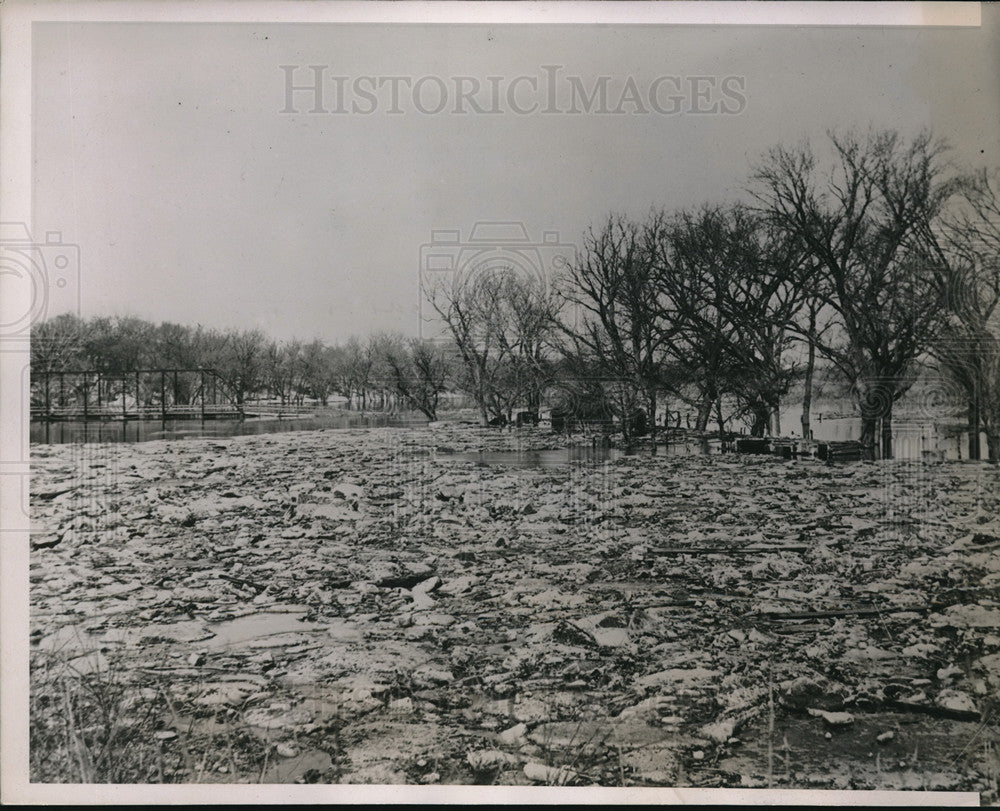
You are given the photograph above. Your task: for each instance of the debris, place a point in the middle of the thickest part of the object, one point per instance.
(422, 605)
(834, 719)
(514, 734)
(957, 701)
(844, 612)
(934, 710)
(719, 731)
(491, 759)
(549, 775)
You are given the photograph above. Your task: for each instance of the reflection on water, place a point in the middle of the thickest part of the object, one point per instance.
(146, 430)
(911, 439)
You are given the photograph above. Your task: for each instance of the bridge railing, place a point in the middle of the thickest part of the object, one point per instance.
(144, 394)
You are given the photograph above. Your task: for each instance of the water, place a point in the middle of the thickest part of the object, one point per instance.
(253, 627)
(146, 430)
(911, 439)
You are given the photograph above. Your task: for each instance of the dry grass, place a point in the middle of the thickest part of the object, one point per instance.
(94, 720)
(89, 725)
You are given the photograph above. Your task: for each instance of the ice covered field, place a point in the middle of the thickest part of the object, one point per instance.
(362, 606)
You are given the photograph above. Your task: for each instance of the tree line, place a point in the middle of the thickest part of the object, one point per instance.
(382, 370)
(871, 258)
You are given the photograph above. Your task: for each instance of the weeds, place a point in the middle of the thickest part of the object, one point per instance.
(87, 724)
(90, 723)
(991, 757)
(770, 732)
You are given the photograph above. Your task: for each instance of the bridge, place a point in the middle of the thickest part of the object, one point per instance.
(144, 394)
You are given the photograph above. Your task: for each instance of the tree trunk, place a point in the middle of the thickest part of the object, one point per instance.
(975, 452)
(718, 417)
(868, 430)
(887, 432)
(627, 435)
(623, 408)
(776, 419)
(875, 398)
(993, 446)
(480, 396)
(704, 412)
(652, 423)
(810, 369)
(760, 420)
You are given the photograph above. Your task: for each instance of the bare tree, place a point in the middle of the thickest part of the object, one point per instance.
(417, 373)
(57, 344)
(176, 346)
(118, 344)
(239, 358)
(617, 316)
(734, 286)
(864, 221)
(357, 365)
(465, 310)
(968, 349)
(282, 368)
(526, 314)
(319, 368)
(499, 323)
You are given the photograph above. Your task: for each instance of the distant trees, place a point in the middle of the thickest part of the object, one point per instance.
(379, 370)
(283, 367)
(318, 366)
(57, 344)
(239, 357)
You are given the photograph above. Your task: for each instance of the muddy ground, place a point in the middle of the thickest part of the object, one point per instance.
(362, 607)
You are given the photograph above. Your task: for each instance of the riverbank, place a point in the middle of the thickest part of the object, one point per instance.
(358, 606)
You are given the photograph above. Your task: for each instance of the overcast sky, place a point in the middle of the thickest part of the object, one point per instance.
(163, 152)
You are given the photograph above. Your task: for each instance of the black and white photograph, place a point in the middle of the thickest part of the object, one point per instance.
(491, 402)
